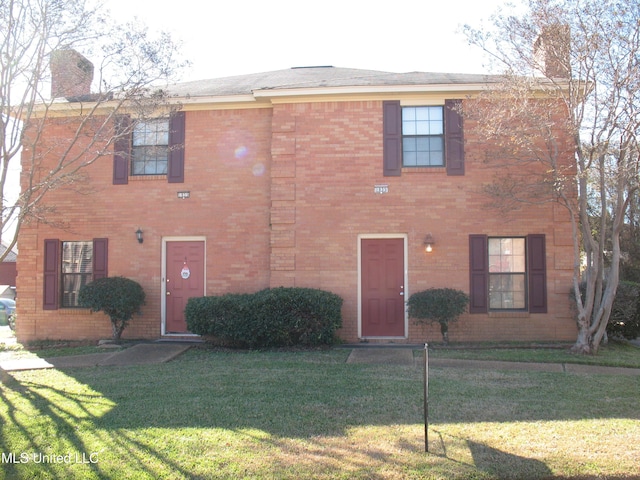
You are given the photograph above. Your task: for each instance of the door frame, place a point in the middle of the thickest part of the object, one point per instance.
(163, 283)
(368, 236)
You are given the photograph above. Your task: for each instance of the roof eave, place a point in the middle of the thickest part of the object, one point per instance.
(371, 89)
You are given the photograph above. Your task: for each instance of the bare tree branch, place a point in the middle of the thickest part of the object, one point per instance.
(134, 68)
(584, 56)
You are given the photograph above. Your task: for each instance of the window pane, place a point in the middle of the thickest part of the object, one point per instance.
(77, 257)
(507, 255)
(149, 160)
(77, 270)
(423, 142)
(518, 246)
(437, 159)
(411, 159)
(71, 287)
(436, 127)
(422, 121)
(507, 291)
(436, 144)
(150, 147)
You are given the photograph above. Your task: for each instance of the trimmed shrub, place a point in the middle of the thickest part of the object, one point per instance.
(442, 305)
(269, 318)
(624, 320)
(625, 312)
(118, 297)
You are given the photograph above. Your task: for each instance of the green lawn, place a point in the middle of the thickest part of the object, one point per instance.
(211, 414)
(615, 354)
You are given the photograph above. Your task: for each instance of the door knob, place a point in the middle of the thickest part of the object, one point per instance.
(168, 293)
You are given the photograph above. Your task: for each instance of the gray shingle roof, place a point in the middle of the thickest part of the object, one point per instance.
(317, 77)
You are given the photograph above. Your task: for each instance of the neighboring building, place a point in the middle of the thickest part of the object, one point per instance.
(8, 274)
(317, 177)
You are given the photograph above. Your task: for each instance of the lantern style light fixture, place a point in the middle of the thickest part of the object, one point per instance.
(429, 242)
(139, 235)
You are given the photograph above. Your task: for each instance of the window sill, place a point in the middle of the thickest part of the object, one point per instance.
(142, 178)
(509, 314)
(424, 170)
(74, 310)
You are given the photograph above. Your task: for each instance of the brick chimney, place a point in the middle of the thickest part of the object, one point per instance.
(552, 51)
(71, 74)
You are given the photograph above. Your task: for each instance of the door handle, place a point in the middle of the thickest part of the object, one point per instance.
(168, 293)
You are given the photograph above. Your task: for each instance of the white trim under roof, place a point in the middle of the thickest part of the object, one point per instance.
(369, 89)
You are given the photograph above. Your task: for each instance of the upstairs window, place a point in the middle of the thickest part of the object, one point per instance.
(149, 147)
(150, 153)
(422, 136)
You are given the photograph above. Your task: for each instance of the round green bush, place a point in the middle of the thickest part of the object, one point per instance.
(442, 305)
(118, 297)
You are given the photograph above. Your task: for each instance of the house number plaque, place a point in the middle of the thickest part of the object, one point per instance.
(381, 189)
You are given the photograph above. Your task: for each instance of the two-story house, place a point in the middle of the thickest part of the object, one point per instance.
(362, 183)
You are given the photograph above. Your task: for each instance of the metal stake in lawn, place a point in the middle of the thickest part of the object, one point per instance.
(426, 397)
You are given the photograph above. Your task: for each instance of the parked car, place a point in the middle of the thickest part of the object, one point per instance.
(7, 312)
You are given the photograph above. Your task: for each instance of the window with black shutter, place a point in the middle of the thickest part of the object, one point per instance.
(70, 265)
(422, 136)
(149, 147)
(507, 274)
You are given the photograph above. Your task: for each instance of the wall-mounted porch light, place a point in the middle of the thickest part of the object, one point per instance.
(139, 235)
(429, 242)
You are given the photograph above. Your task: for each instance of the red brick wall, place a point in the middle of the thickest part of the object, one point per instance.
(281, 196)
(327, 158)
(227, 175)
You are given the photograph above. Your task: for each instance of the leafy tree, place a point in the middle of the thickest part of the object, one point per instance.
(442, 305)
(570, 67)
(118, 297)
(132, 67)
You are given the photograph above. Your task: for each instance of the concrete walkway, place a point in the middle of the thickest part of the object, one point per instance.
(404, 356)
(161, 351)
(141, 354)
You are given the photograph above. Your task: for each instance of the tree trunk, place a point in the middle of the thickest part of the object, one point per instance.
(117, 327)
(583, 341)
(444, 329)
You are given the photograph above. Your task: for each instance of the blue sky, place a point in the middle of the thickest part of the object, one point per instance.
(233, 37)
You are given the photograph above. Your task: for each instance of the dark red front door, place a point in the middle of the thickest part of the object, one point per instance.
(185, 279)
(383, 287)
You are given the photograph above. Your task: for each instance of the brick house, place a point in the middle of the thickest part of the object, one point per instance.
(321, 177)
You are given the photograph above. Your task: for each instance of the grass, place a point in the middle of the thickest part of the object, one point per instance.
(213, 414)
(615, 354)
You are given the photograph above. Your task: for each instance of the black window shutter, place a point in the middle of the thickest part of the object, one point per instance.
(100, 258)
(122, 152)
(175, 169)
(51, 293)
(454, 137)
(478, 274)
(537, 271)
(392, 138)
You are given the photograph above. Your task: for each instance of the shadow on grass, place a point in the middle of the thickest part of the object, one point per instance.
(487, 459)
(304, 395)
(506, 465)
(315, 397)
